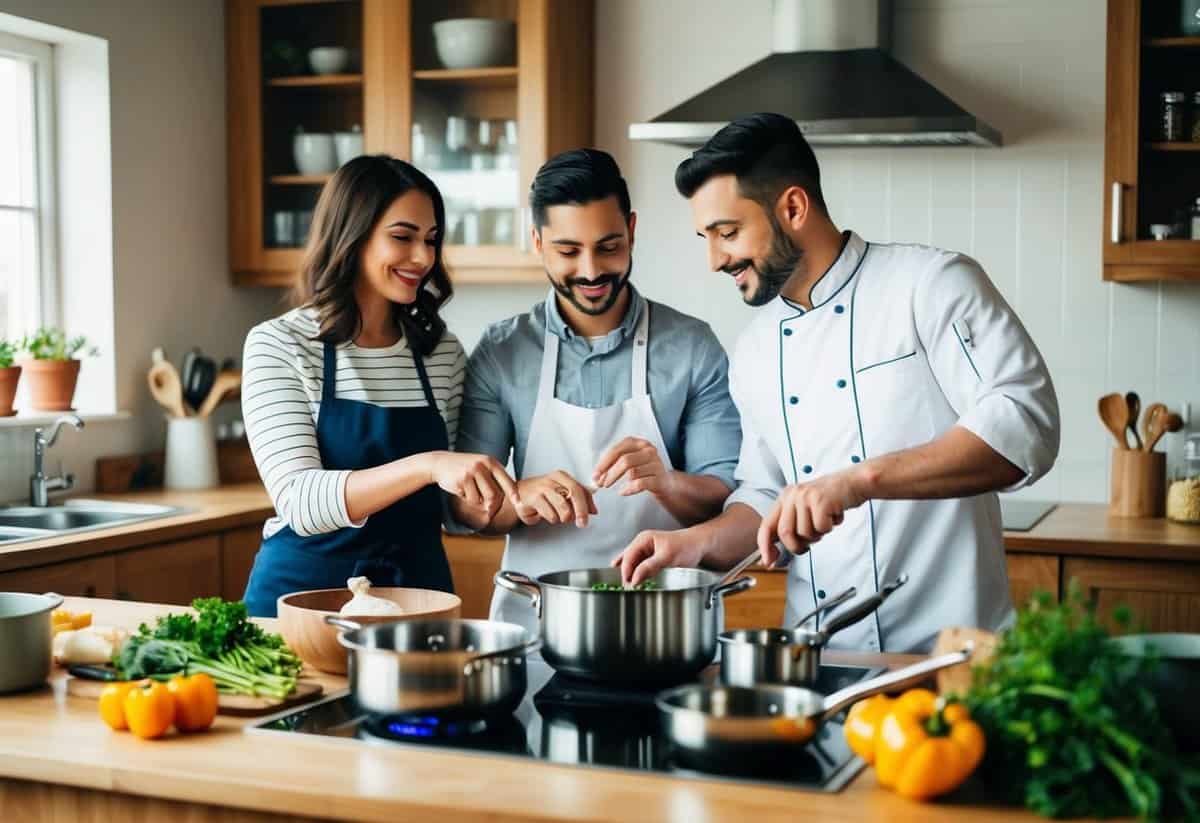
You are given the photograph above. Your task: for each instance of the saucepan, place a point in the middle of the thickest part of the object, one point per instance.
(713, 727)
(665, 634)
(790, 657)
(25, 635)
(469, 667)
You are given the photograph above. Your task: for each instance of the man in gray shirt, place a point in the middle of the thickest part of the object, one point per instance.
(615, 409)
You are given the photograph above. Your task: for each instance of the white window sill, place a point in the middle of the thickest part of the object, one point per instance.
(29, 419)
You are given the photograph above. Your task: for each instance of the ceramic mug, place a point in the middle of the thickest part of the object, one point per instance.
(348, 145)
(314, 153)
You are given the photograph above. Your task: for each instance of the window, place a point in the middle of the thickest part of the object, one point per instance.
(27, 240)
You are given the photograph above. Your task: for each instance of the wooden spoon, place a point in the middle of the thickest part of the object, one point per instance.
(227, 383)
(166, 388)
(1134, 404)
(1155, 424)
(1114, 411)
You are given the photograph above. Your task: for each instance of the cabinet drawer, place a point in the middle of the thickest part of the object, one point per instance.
(173, 573)
(1029, 573)
(93, 577)
(239, 547)
(1163, 596)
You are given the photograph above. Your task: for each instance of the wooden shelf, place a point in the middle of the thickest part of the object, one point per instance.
(1173, 42)
(1178, 146)
(500, 76)
(299, 179)
(311, 80)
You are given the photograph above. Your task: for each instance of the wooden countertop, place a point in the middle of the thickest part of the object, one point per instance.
(210, 510)
(48, 737)
(1085, 529)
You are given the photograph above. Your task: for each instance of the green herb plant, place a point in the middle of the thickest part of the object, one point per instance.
(219, 641)
(53, 344)
(1072, 729)
(8, 352)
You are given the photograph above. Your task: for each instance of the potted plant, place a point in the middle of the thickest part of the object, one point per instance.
(52, 368)
(9, 375)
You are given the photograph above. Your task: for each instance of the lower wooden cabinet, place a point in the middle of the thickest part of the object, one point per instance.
(90, 577)
(760, 606)
(238, 550)
(1029, 573)
(1162, 595)
(173, 573)
(474, 562)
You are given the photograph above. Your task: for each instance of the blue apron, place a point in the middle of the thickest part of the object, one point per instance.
(398, 546)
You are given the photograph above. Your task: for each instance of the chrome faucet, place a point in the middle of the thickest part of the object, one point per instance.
(40, 485)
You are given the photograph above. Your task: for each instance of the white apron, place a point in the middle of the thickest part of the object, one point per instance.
(573, 439)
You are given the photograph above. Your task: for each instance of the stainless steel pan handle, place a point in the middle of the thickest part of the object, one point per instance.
(860, 610)
(473, 665)
(523, 585)
(342, 623)
(907, 676)
(726, 589)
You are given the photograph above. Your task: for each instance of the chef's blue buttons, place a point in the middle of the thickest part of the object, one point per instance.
(793, 399)
(854, 458)
(806, 469)
(787, 332)
(841, 384)
(839, 308)
(821, 593)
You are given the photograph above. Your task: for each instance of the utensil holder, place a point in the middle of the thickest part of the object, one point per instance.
(1138, 483)
(191, 460)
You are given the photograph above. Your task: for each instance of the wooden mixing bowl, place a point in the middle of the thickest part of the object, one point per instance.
(302, 619)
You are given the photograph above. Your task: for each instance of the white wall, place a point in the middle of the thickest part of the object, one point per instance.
(170, 261)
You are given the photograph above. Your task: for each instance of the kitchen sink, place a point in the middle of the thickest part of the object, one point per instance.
(34, 523)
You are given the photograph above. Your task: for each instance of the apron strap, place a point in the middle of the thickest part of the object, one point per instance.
(329, 376)
(549, 374)
(420, 363)
(640, 348)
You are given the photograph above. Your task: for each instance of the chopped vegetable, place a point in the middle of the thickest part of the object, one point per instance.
(149, 710)
(1072, 729)
(63, 620)
(644, 586)
(195, 701)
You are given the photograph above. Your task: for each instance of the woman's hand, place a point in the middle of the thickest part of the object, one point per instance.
(554, 498)
(480, 480)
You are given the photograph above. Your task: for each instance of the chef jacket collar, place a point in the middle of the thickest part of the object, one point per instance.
(836, 276)
(559, 327)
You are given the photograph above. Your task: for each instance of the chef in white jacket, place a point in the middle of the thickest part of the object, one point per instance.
(886, 391)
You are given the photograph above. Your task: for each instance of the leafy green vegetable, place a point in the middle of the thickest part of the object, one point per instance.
(1072, 729)
(644, 586)
(219, 641)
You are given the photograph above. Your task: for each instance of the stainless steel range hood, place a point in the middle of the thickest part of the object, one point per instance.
(830, 70)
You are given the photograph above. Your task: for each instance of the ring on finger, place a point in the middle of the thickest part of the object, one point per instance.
(562, 491)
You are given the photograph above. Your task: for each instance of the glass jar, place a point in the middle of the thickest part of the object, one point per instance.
(1183, 494)
(1172, 119)
(1195, 220)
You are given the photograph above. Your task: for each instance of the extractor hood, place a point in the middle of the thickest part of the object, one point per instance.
(830, 70)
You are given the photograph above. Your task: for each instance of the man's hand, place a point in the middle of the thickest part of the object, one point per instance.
(478, 479)
(652, 551)
(638, 462)
(554, 498)
(807, 511)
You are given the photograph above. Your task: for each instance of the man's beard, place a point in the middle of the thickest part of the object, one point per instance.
(774, 271)
(566, 290)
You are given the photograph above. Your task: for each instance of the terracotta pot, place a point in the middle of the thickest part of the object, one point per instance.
(8, 389)
(51, 383)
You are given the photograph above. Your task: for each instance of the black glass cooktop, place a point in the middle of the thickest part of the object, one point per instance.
(567, 721)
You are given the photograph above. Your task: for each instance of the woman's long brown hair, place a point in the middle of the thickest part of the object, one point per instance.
(350, 205)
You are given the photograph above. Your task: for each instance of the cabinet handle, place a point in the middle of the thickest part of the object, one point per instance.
(1115, 212)
(124, 596)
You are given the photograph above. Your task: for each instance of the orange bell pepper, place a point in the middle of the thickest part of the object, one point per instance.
(195, 701)
(149, 709)
(924, 749)
(112, 704)
(862, 724)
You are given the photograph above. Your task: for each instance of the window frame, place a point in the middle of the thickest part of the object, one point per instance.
(41, 55)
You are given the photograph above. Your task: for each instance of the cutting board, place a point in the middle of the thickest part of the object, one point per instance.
(242, 705)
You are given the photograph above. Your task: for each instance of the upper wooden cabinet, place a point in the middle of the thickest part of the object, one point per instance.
(1148, 179)
(462, 122)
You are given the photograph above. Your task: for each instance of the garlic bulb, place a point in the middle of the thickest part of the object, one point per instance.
(365, 604)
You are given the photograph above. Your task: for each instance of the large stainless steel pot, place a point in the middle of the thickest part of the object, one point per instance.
(788, 657)
(713, 727)
(664, 635)
(473, 667)
(25, 639)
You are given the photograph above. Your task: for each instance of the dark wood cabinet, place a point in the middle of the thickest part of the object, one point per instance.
(1163, 596)
(238, 550)
(90, 577)
(175, 573)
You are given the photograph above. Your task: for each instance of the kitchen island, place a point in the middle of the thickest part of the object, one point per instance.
(58, 761)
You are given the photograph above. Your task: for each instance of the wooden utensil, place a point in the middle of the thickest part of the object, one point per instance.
(1114, 412)
(1134, 404)
(166, 386)
(1159, 424)
(1152, 411)
(226, 383)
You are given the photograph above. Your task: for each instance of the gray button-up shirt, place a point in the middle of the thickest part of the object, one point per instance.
(687, 372)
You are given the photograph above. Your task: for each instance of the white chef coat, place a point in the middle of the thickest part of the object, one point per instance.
(902, 342)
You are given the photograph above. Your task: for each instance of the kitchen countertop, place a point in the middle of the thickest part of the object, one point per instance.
(1085, 529)
(50, 738)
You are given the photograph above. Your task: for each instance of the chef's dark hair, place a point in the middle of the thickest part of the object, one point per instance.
(766, 152)
(577, 177)
(350, 206)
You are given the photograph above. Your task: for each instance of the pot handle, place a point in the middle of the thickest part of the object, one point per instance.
(900, 678)
(530, 646)
(860, 610)
(726, 589)
(523, 585)
(56, 597)
(342, 623)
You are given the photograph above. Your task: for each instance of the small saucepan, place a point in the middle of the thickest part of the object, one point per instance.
(714, 728)
(789, 657)
(25, 638)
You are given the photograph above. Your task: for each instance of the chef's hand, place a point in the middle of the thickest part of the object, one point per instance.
(480, 480)
(652, 551)
(637, 461)
(805, 512)
(554, 498)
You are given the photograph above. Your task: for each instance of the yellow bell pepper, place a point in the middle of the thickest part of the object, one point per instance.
(920, 748)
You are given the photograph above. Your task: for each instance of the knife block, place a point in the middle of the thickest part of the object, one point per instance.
(1138, 483)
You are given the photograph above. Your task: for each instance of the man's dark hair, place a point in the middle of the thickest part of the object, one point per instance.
(577, 177)
(765, 152)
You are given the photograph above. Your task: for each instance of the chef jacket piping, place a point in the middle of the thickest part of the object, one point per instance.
(963, 346)
(885, 362)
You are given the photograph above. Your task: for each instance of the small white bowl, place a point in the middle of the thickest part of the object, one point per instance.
(329, 59)
(314, 153)
(347, 145)
(475, 42)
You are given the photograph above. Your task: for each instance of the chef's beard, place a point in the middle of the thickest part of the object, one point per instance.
(775, 270)
(566, 289)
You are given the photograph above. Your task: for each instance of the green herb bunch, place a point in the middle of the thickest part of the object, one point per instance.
(644, 586)
(53, 344)
(8, 352)
(1072, 729)
(219, 641)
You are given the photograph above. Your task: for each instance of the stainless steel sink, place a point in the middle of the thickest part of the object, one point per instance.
(19, 523)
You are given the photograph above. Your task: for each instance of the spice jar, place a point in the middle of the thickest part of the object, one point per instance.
(1172, 119)
(1183, 495)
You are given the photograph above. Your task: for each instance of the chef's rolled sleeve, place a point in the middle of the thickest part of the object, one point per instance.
(987, 365)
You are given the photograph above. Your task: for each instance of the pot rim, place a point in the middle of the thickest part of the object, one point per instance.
(54, 601)
(780, 638)
(375, 627)
(713, 577)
